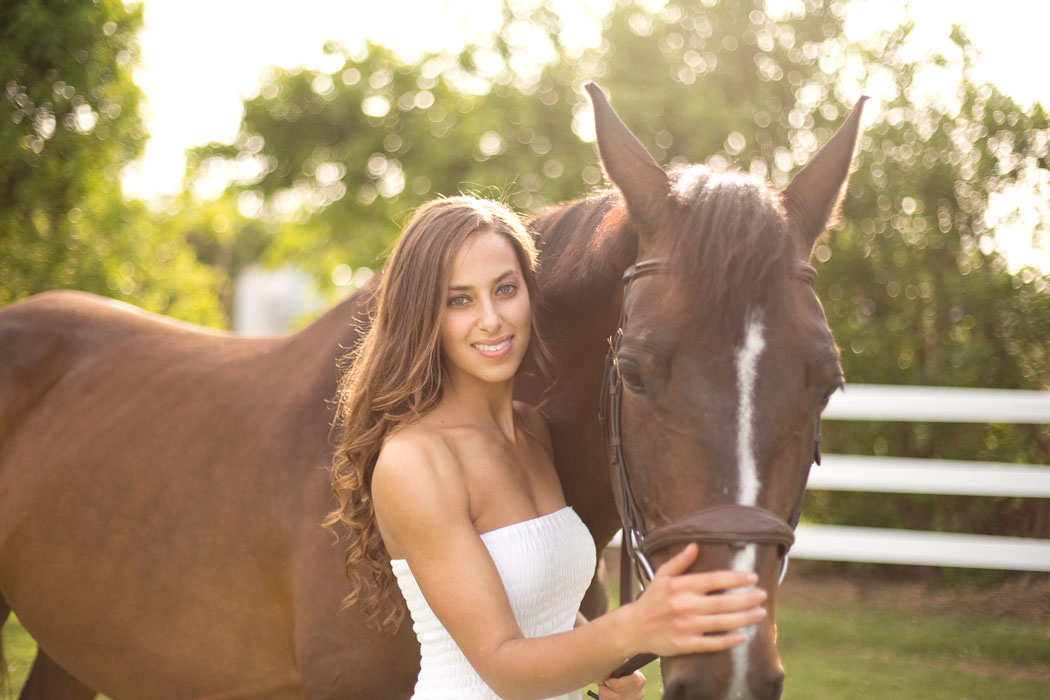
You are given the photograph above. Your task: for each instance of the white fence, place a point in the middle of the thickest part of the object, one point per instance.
(928, 476)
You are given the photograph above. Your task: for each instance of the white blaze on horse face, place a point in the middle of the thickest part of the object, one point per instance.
(746, 373)
(747, 489)
(740, 654)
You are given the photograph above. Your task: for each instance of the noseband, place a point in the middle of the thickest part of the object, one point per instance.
(732, 524)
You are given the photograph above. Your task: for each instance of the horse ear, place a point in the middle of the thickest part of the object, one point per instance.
(813, 196)
(643, 183)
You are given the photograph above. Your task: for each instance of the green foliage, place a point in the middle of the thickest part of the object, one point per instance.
(69, 122)
(914, 294)
(329, 163)
(341, 158)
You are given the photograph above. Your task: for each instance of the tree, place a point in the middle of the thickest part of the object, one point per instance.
(70, 123)
(335, 161)
(913, 292)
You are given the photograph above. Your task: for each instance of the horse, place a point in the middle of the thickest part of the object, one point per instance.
(162, 485)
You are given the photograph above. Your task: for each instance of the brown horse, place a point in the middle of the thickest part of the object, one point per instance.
(161, 486)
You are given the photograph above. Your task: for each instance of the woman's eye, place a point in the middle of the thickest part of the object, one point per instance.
(458, 301)
(506, 290)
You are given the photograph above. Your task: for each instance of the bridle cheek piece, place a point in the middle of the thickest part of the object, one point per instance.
(731, 524)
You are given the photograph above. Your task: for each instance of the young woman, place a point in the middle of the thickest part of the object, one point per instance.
(449, 489)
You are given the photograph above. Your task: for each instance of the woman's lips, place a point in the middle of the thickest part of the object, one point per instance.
(494, 350)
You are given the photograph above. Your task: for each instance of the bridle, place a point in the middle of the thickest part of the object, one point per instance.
(732, 524)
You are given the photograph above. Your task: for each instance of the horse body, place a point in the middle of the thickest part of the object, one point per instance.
(161, 487)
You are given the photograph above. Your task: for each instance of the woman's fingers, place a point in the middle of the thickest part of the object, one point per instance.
(726, 622)
(679, 563)
(691, 613)
(710, 581)
(630, 687)
(706, 603)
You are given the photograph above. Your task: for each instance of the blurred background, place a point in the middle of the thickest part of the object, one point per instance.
(244, 165)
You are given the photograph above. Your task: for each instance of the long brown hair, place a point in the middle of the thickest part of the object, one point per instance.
(394, 376)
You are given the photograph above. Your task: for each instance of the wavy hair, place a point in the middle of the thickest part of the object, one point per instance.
(394, 376)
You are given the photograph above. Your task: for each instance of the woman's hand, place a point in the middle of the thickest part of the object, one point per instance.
(630, 687)
(677, 611)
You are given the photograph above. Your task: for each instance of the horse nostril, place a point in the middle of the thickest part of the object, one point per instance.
(677, 691)
(773, 688)
(685, 690)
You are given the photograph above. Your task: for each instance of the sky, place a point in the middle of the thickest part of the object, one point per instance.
(202, 57)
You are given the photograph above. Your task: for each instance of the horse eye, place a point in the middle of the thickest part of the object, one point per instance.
(827, 396)
(631, 376)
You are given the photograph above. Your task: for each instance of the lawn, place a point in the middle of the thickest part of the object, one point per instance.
(862, 653)
(857, 651)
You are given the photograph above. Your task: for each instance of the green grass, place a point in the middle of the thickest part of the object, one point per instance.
(19, 652)
(861, 653)
(855, 652)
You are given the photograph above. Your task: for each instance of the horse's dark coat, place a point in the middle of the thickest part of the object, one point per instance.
(162, 486)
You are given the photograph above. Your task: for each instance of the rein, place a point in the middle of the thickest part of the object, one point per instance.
(728, 524)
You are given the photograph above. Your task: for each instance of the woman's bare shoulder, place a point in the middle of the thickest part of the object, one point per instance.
(416, 479)
(414, 458)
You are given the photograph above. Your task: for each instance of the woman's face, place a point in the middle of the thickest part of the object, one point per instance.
(486, 321)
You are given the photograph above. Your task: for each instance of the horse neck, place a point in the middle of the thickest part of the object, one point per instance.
(318, 347)
(585, 246)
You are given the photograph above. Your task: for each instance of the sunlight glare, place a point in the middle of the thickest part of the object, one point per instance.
(201, 58)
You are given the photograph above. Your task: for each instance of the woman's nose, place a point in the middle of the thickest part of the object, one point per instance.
(489, 318)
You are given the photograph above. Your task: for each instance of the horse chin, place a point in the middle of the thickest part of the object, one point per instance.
(751, 671)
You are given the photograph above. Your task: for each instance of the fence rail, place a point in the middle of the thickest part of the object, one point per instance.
(940, 476)
(938, 404)
(929, 476)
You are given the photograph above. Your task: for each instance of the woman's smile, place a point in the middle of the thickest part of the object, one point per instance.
(496, 349)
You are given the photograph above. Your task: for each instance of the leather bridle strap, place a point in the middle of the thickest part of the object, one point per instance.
(733, 524)
(633, 562)
(730, 524)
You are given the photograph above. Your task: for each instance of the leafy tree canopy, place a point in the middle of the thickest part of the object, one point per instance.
(328, 164)
(333, 161)
(69, 122)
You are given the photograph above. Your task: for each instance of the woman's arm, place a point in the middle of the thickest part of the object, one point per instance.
(629, 687)
(421, 501)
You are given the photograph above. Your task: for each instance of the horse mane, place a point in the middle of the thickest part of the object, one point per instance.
(731, 249)
(584, 247)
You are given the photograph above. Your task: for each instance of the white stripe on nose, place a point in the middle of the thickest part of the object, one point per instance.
(746, 372)
(747, 488)
(738, 690)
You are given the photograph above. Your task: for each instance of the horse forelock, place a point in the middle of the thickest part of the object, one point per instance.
(730, 245)
(731, 250)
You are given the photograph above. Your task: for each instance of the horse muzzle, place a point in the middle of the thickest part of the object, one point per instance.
(694, 684)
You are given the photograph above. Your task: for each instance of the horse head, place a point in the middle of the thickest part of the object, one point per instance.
(718, 374)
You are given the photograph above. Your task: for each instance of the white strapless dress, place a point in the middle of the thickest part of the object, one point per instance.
(546, 565)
